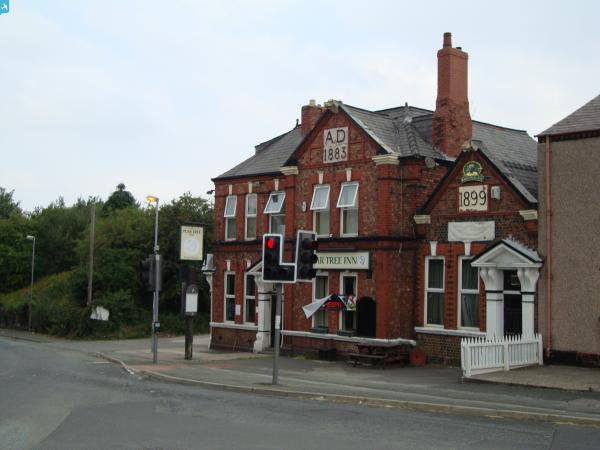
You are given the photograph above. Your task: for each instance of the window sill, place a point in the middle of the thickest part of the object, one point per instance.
(234, 326)
(448, 332)
(319, 330)
(345, 333)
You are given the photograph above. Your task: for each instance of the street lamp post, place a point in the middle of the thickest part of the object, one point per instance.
(153, 199)
(31, 238)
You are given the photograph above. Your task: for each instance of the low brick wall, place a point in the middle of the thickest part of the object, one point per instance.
(440, 349)
(232, 339)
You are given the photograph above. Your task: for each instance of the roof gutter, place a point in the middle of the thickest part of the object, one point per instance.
(549, 274)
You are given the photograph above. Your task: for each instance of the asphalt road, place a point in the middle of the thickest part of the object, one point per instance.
(54, 397)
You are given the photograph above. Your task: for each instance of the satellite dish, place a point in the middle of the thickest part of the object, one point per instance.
(429, 162)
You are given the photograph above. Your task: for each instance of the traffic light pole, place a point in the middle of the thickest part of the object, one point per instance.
(277, 339)
(156, 288)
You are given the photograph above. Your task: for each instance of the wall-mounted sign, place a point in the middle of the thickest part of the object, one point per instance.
(335, 145)
(343, 260)
(471, 231)
(192, 240)
(472, 171)
(473, 198)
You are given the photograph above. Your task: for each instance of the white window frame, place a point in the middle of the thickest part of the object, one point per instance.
(227, 296)
(341, 318)
(320, 187)
(270, 208)
(441, 290)
(320, 211)
(354, 202)
(251, 216)
(247, 297)
(271, 217)
(314, 295)
(350, 206)
(230, 220)
(465, 291)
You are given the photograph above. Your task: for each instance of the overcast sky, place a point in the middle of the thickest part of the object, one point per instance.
(164, 95)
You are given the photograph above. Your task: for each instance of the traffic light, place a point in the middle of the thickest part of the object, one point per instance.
(274, 269)
(306, 257)
(150, 266)
(148, 275)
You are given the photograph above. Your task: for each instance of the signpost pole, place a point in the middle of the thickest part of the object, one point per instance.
(189, 336)
(278, 294)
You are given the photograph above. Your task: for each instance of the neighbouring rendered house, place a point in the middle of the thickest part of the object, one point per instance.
(410, 207)
(569, 239)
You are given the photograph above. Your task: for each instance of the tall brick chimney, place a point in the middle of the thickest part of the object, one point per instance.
(310, 115)
(451, 126)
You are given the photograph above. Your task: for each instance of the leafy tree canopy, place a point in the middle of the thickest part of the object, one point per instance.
(119, 199)
(7, 204)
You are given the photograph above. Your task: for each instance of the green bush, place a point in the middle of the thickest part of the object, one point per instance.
(58, 319)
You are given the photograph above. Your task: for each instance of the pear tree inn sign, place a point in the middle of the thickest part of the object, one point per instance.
(335, 145)
(342, 260)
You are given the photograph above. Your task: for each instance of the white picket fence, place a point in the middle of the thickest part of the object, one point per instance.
(482, 355)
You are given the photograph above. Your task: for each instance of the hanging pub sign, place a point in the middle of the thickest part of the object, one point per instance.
(191, 243)
(335, 145)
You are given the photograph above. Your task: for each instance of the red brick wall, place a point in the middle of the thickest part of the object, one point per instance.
(440, 349)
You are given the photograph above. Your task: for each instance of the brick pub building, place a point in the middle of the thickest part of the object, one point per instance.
(403, 201)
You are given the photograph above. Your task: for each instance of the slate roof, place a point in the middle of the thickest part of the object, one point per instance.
(406, 131)
(269, 156)
(586, 118)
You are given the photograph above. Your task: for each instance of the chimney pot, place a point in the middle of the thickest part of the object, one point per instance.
(447, 39)
(312, 102)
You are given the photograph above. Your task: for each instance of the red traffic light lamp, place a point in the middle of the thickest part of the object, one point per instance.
(274, 269)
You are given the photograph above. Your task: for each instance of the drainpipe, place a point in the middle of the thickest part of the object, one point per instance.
(548, 248)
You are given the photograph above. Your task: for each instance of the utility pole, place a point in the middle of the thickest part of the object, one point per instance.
(91, 267)
(31, 238)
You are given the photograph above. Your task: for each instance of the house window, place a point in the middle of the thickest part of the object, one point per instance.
(348, 204)
(321, 290)
(434, 291)
(251, 216)
(230, 207)
(277, 215)
(229, 296)
(468, 293)
(320, 207)
(250, 299)
(348, 287)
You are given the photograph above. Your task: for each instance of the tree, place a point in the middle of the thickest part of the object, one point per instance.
(7, 205)
(119, 199)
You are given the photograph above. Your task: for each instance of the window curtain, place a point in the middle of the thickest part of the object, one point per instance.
(469, 313)
(435, 308)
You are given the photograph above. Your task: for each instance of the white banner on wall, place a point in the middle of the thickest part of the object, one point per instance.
(471, 231)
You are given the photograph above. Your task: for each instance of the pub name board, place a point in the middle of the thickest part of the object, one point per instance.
(343, 260)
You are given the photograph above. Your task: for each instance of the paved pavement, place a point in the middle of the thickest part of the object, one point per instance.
(571, 394)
